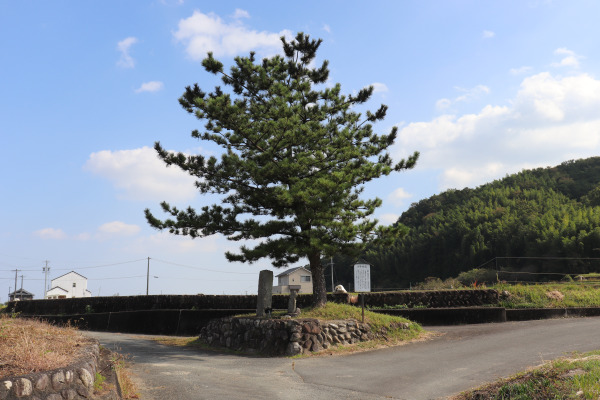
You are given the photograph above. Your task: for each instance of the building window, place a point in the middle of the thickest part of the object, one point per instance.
(305, 279)
(74, 284)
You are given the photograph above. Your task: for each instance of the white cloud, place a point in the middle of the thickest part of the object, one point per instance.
(50, 233)
(152, 86)
(165, 242)
(239, 14)
(398, 196)
(83, 237)
(570, 59)
(140, 175)
(466, 96)
(126, 61)
(521, 70)
(388, 219)
(379, 87)
(202, 33)
(488, 34)
(327, 28)
(118, 228)
(549, 120)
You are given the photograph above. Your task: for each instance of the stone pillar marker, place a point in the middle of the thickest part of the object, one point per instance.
(292, 301)
(265, 292)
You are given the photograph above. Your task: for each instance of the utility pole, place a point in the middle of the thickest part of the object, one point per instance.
(46, 270)
(332, 288)
(15, 292)
(148, 277)
(22, 286)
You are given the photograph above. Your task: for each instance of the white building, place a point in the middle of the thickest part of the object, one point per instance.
(67, 286)
(298, 278)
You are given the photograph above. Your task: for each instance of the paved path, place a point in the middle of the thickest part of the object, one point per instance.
(461, 358)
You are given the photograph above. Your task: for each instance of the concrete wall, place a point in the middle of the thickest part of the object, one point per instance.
(449, 316)
(153, 322)
(154, 302)
(429, 299)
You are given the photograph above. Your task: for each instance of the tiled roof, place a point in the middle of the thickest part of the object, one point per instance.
(289, 271)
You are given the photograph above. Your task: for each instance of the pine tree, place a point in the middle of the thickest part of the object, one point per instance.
(295, 158)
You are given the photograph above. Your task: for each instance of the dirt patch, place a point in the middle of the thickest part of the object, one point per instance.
(555, 295)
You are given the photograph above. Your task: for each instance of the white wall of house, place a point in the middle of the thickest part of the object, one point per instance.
(74, 284)
(300, 276)
(57, 293)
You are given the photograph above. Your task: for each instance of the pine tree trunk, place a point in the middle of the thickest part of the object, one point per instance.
(318, 276)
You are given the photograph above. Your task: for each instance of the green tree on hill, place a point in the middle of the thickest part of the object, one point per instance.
(294, 161)
(545, 212)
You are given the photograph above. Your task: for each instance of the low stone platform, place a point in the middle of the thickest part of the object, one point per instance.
(288, 337)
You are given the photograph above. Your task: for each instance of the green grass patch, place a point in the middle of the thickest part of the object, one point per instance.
(591, 277)
(378, 322)
(336, 311)
(553, 295)
(576, 377)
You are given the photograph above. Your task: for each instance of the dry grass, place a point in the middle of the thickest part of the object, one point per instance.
(121, 364)
(28, 346)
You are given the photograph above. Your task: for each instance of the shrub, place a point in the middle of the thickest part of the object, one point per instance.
(477, 276)
(433, 283)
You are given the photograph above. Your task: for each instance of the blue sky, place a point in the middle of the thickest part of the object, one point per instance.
(481, 89)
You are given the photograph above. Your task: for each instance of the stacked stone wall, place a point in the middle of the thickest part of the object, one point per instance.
(74, 382)
(286, 336)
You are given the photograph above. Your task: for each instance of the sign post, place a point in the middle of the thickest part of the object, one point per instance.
(362, 278)
(362, 283)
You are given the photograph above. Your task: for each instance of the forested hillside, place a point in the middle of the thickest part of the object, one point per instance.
(546, 212)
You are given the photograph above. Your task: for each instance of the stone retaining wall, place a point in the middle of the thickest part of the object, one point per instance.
(433, 298)
(91, 305)
(73, 382)
(286, 336)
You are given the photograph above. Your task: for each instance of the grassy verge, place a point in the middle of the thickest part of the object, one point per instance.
(577, 377)
(379, 322)
(28, 346)
(121, 367)
(551, 295)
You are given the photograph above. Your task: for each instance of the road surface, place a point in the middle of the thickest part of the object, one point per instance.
(461, 357)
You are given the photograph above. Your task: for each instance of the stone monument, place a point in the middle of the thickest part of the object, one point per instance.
(294, 289)
(265, 293)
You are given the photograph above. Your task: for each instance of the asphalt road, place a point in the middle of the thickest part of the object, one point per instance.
(461, 357)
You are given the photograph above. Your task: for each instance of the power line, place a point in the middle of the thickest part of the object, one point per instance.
(546, 258)
(78, 268)
(204, 269)
(116, 277)
(535, 273)
(101, 266)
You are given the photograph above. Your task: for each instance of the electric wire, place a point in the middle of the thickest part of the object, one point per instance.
(204, 269)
